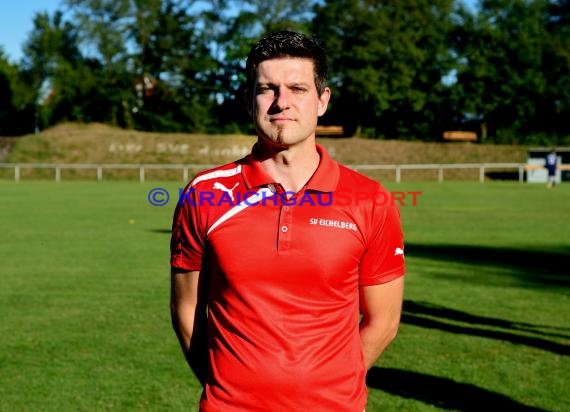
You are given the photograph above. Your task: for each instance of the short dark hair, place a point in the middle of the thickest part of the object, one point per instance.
(288, 44)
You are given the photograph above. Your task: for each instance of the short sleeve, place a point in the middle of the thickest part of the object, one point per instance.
(187, 241)
(383, 259)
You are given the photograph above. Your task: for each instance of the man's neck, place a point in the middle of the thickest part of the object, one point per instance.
(291, 167)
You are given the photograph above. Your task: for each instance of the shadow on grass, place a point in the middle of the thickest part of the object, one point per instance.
(526, 268)
(423, 314)
(429, 309)
(503, 175)
(162, 231)
(530, 267)
(441, 392)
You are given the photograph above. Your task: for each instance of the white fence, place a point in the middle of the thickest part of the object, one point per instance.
(480, 169)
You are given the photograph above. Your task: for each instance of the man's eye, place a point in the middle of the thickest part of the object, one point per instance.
(299, 89)
(263, 90)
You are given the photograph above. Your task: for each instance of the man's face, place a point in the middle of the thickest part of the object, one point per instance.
(286, 103)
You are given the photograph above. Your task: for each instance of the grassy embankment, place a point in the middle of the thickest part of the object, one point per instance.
(94, 144)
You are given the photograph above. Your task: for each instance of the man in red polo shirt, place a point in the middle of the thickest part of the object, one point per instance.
(283, 297)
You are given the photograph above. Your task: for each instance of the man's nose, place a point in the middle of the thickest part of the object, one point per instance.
(282, 98)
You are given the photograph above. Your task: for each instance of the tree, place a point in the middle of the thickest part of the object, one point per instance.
(156, 59)
(398, 69)
(67, 86)
(556, 109)
(387, 60)
(50, 46)
(12, 104)
(502, 80)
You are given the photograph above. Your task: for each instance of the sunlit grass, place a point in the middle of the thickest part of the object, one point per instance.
(85, 282)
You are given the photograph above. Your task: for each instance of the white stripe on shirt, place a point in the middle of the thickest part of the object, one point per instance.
(250, 201)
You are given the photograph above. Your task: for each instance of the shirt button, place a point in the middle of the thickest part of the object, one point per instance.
(285, 208)
(284, 229)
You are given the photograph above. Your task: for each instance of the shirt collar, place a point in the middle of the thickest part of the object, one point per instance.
(325, 178)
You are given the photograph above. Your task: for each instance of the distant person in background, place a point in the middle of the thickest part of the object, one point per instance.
(550, 164)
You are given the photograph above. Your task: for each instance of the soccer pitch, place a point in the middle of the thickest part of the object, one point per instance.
(85, 288)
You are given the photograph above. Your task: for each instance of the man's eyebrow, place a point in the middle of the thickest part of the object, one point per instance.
(297, 84)
(292, 84)
(267, 84)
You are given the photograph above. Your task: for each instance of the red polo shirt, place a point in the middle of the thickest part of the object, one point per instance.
(284, 272)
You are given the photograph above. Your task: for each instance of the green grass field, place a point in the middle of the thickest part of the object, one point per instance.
(85, 283)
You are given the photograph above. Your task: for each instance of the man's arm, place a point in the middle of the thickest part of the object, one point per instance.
(189, 320)
(381, 307)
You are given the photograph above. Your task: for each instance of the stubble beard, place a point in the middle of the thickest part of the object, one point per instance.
(275, 136)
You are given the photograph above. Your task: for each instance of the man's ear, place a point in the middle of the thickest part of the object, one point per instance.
(248, 101)
(324, 99)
